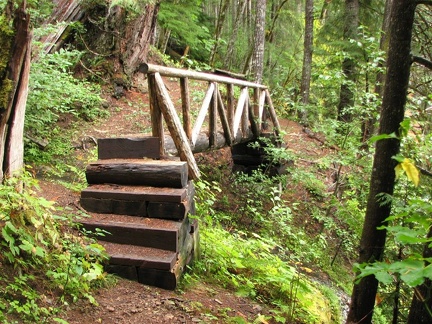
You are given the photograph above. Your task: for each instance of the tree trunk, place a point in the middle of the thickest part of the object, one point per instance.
(233, 38)
(351, 24)
(14, 89)
(383, 176)
(136, 39)
(113, 33)
(259, 40)
(368, 126)
(218, 30)
(307, 58)
(421, 305)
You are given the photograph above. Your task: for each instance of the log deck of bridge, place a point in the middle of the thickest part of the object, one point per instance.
(145, 201)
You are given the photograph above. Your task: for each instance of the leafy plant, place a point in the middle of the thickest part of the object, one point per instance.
(250, 262)
(188, 25)
(54, 91)
(39, 251)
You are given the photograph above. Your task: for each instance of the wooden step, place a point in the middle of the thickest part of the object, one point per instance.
(132, 193)
(126, 261)
(128, 148)
(132, 255)
(140, 231)
(140, 172)
(164, 203)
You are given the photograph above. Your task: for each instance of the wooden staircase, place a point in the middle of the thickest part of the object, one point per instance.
(145, 205)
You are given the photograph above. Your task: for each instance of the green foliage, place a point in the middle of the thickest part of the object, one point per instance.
(54, 91)
(255, 262)
(133, 6)
(327, 78)
(42, 255)
(56, 100)
(188, 26)
(410, 229)
(249, 265)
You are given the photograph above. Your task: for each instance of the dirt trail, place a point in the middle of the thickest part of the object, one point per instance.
(131, 302)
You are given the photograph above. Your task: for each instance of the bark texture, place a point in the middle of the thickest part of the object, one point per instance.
(114, 33)
(351, 24)
(259, 40)
(307, 57)
(383, 176)
(14, 89)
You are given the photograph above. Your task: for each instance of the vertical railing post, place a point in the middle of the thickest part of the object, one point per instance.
(254, 114)
(187, 123)
(175, 127)
(230, 106)
(156, 114)
(213, 117)
(245, 116)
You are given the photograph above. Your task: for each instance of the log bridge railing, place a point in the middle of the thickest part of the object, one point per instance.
(240, 120)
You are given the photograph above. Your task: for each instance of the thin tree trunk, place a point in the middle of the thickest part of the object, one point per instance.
(307, 59)
(218, 31)
(276, 11)
(259, 41)
(383, 176)
(233, 38)
(351, 24)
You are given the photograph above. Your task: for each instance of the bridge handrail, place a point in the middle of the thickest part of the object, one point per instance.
(240, 122)
(201, 76)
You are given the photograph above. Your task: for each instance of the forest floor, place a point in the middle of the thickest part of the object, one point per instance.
(131, 302)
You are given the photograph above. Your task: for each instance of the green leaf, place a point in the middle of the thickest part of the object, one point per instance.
(380, 137)
(406, 235)
(405, 126)
(427, 272)
(411, 271)
(384, 277)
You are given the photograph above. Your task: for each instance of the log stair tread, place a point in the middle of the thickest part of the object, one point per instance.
(125, 192)
(132, 255)
(141, 172)
(132, 221)
(140, 231)
(137, 161)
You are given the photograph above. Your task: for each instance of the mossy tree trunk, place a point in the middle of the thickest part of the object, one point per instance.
(14, 73)
(117, 33)
(346, 96)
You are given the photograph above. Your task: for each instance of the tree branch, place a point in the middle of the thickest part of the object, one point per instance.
(425, 172)
(421, 60)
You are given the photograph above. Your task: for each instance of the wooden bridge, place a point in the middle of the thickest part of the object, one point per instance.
(144, 198)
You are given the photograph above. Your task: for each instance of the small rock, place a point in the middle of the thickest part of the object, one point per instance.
(110, 308)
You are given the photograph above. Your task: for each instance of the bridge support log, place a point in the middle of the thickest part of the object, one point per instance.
(247, 158)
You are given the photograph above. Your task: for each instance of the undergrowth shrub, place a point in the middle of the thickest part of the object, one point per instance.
(45, 264)
(251, 264)
(54, 91)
